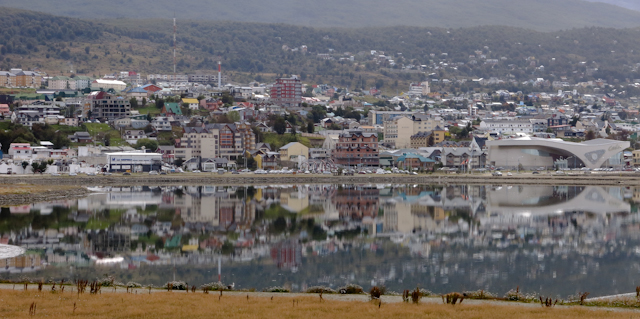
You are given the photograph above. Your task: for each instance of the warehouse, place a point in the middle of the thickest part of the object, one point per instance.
(134, 162)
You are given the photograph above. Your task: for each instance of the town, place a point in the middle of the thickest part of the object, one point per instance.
(159, 124)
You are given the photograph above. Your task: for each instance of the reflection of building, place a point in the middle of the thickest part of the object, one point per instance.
(532, 152)
(287, 254)
(357, 202)
(21, 264)
(110, 241)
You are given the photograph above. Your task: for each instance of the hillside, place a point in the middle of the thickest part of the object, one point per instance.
(629, 4)
(542, 15)
(251, 51)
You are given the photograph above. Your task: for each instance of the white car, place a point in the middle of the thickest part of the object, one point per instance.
(153, 172)
(260, 171)
(509, 174)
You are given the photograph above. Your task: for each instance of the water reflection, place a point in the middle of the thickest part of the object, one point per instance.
(549, 239)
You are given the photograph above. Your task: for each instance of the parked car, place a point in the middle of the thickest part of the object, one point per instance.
(260, 171)
(153, 172)
(126, 173)
(497, 173)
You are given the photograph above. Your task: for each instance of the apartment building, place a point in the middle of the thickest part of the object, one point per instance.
(507, 126)
(28, 79)
(287, 92)
(198, 142)
(7, 79)
(109, 107)
(37, 112)
(356, 148)
(399, 130)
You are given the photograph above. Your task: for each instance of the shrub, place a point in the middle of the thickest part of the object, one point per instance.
(214, 286)
(176, 285)
(276, 289)
(320, 289)
(425, 293)
(132, 284)
(479, 294)
(516, 295)
(351, 289)
(107, 281)
(375, 292)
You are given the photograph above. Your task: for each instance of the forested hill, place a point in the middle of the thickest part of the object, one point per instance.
(57, 44)
(542, 15)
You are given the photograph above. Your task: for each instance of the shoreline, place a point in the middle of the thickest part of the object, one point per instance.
(624, 179)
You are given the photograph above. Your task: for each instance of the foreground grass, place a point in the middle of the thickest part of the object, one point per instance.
(16, 304)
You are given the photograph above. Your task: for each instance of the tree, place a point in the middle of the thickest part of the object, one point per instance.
(24, 166)
(87, 50)
(147, 143)
(310, 127)
(234, 116)
(590, 135)
(144, 101)
(35, 167)
(178, 162)
(280, 126)
(134, 103)
(159, 103)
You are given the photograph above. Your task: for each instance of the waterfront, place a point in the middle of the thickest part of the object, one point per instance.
(552, 240)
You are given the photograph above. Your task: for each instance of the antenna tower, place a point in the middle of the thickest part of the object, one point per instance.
(175, 30)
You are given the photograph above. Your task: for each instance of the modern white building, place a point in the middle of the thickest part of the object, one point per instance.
(507, 127)
(133, 162)
(108, 84)
(533, 152)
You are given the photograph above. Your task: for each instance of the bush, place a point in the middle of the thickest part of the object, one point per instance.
(108, 281)
(479, 294)
(516, 295)
(276, 289)
(320, 289)
(132, 284)
(177, 285)
(215, 286)
(425, 293)
(375, 292)
(351, 289)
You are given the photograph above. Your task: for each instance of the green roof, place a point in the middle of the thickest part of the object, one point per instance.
(173, 108)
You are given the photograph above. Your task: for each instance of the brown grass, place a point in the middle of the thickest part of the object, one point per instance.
(20, 189)
(17, 304)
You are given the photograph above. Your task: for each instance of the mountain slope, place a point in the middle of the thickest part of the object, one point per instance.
(542, 15)
(629, 4)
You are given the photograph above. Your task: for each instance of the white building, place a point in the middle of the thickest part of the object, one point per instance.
(133, 161)
(507, 127)
(108, 84)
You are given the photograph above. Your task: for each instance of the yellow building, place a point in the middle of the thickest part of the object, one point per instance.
(28, 79)
(7, 79)
(636, 158)
(438, 135)
(292, 151)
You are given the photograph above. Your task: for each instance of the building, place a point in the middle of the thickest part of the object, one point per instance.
(133, 162)
(292, 151)
(356, 148)
(532, 152)
(422, 139)
(20, 151)
(380, 117)
(37, 112)
(60, 83)
(109, 107)
(193, 104)
(416, 161)
(419, 89)
(287, 92)
(28, 79)
(636, 158)
(7, 79)
(100, 84)
(399, 130)
(198, 142)
(507, 127)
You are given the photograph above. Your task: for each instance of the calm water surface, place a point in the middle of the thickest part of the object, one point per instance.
(548, 240)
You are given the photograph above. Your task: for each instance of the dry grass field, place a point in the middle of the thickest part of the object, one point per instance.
(17, 304)
(18, 189)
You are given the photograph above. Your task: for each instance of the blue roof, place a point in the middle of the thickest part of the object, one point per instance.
(137, 90)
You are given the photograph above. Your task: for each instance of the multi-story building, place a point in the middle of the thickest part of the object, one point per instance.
(198, 142)
(206, 78)
(235, 139)
(507, 126)
(356, 148)
(28, 79)
(109, 107)
(422, 139)
(7, 79)
(60, 83)
(399, 130)
(287, 92)
(168, 77)
(101, 84)
(36, 113)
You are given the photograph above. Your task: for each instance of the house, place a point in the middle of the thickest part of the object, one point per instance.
(70, 121)
(193, 104)
(132, 136)
(263, 127)
(80, 137)
(162, 123)
(411, 160)
(20, 151)
(292, 151)
(5, 110)
(168, 153)
(138, 93)
(170, 109)
(269, 160)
